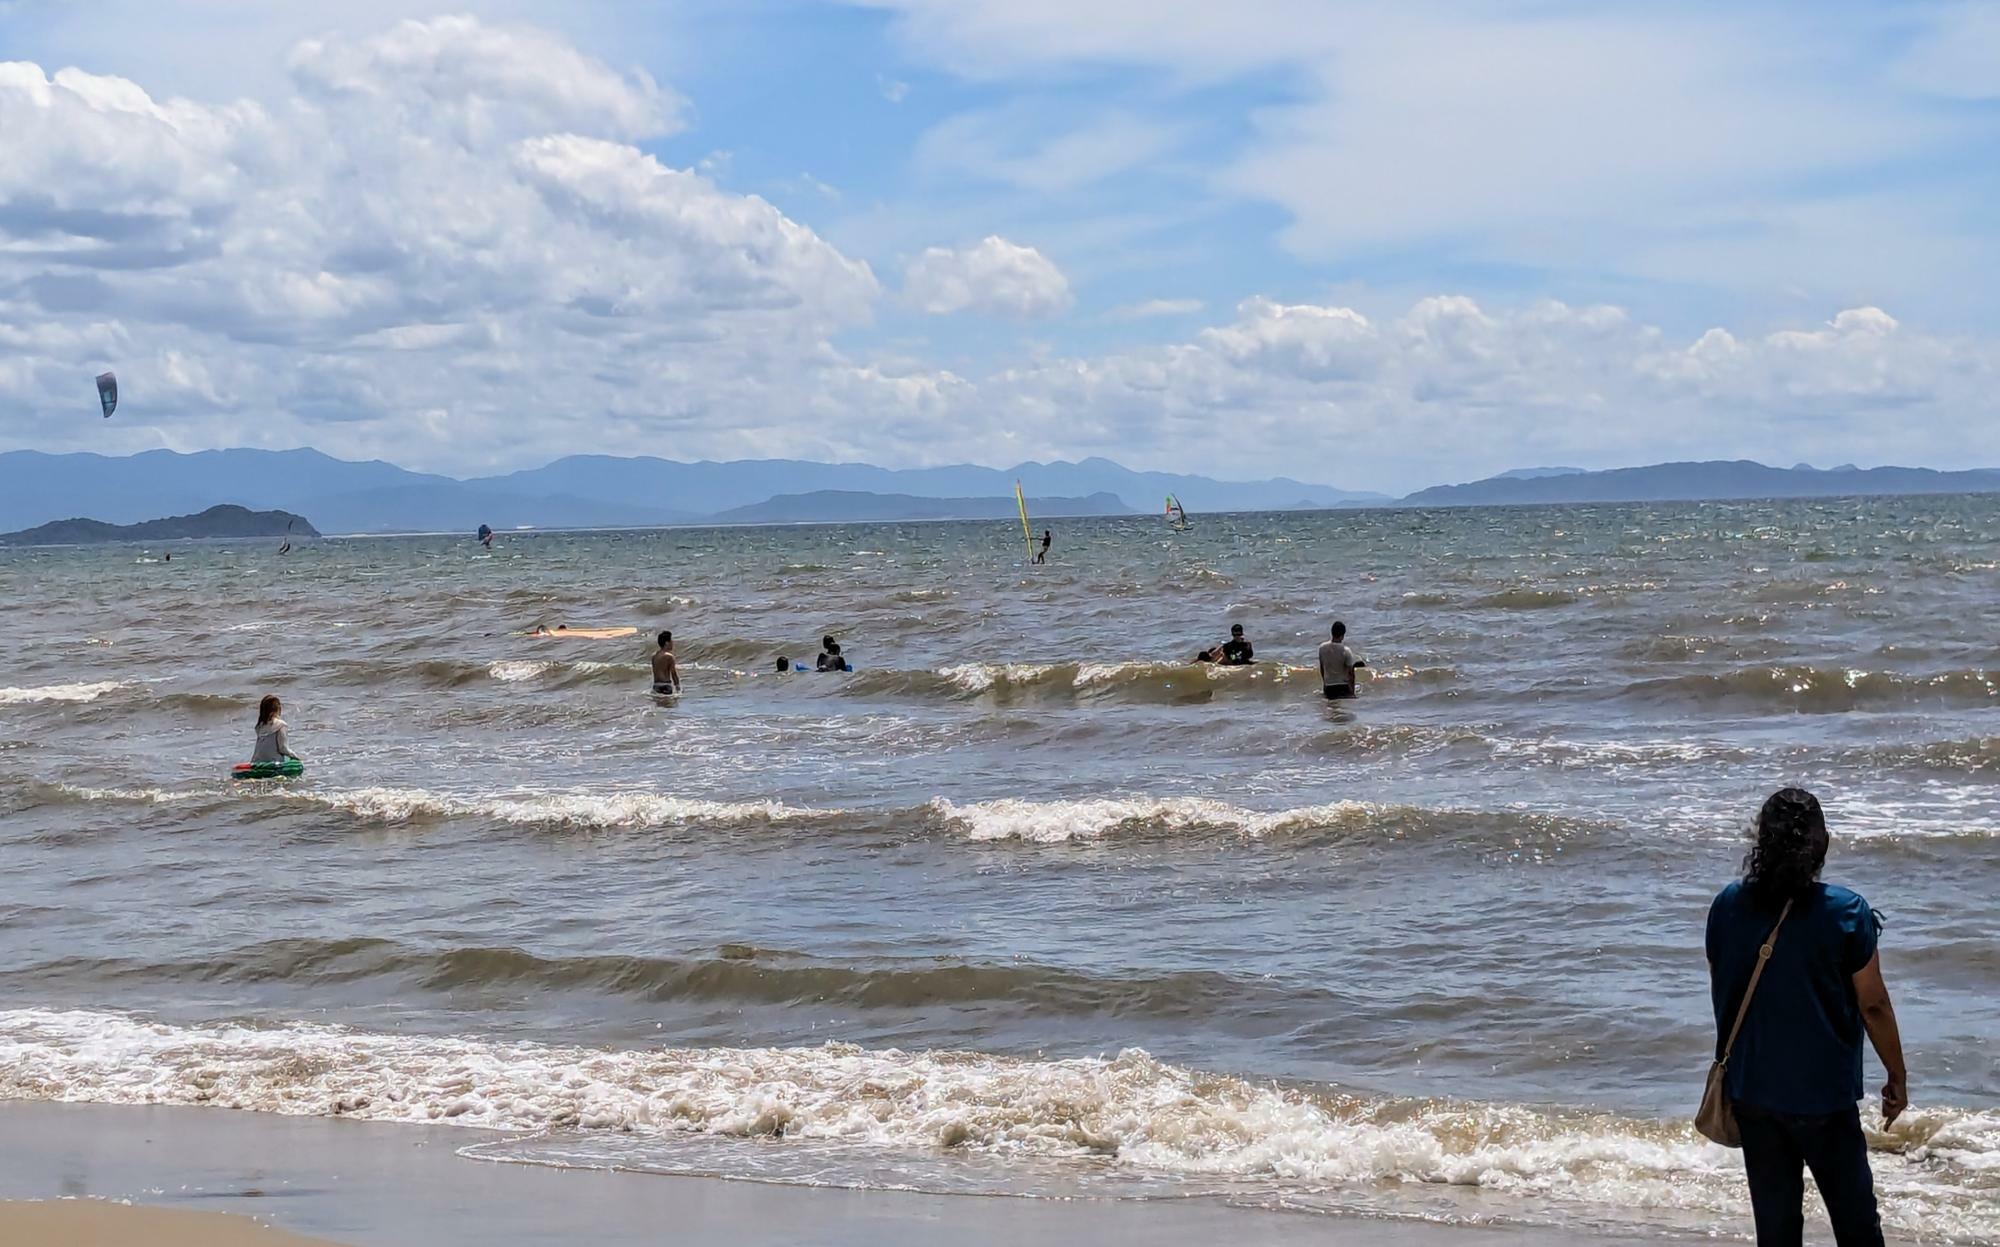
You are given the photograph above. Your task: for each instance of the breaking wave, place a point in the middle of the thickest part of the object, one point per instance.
(1936, 1168)
(59, 692)
(1820, 690)
(1038, 822)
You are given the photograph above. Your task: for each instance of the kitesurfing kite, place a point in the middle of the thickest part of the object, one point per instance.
(107, 392)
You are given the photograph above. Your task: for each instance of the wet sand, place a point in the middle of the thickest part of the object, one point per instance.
(89, 1223)
(374, 1185)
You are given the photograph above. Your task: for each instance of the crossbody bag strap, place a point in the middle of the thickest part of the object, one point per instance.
(1763, 957)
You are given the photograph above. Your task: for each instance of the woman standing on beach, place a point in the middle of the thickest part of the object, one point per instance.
(1795, 1071)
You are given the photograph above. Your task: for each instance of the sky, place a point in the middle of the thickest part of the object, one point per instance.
(1372, 246)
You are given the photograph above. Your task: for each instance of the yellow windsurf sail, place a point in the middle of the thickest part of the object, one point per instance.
(1027, 533)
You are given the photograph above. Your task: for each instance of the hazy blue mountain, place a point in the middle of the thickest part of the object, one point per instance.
(37, 487)
(708, 487)
(1717, 479)
(218, 521)
(579, 491)
(1532, 474)
(840, 505)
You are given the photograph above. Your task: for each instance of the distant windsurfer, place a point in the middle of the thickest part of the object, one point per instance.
(1338, 665)
(486, 536)
(666, 671)
(1048, 539)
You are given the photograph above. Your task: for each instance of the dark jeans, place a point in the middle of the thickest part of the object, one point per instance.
(1778, 1147)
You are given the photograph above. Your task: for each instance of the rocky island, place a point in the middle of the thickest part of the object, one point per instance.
(227, 520)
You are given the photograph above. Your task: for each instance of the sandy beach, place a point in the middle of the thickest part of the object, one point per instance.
(95, 1223)
(216, 1175)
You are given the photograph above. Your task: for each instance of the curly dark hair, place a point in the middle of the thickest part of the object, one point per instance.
(1790, 847)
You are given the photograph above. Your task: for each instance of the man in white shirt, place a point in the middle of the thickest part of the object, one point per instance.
(1337, 665)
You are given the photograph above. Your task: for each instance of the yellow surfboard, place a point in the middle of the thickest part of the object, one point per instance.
(586, 634)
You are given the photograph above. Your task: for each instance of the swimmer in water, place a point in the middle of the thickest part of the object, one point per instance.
(271, 743)
(830, 658)
(1339, 666)
(666, 672)
(1236, 651)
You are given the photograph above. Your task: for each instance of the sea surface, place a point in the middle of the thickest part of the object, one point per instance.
(1029, 904)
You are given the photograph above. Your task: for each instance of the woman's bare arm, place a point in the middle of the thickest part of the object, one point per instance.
(1879, 1016)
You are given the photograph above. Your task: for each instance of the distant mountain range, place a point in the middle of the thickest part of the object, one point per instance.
(1699, 482)
(218, 521)
(582, 491)
(839, 505)
(596, 491)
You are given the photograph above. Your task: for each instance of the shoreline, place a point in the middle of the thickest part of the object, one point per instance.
(369, 1184)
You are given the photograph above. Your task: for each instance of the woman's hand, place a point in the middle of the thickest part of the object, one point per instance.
(1895, 1098)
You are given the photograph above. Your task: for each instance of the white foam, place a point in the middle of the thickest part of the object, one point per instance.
(611, 809)
(562, 809)
(977, 677)
(1131, 1111)
(59, 692)
(515, 670)
(1052, 822)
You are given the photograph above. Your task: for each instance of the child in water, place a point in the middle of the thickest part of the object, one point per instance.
(271, 744)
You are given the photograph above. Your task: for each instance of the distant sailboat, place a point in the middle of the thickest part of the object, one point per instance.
(1177, 515)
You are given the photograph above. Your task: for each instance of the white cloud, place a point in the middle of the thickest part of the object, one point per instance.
(448, 217)
(1587, 141)
(1021, 146)
(993, 276)
(442, 246)
(1151, 308)
(482, 84)
(1451, 389)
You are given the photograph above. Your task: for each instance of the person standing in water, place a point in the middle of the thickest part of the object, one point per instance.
(1048, 539)
(1794, 1071)
(271, 743)
(1338, 665)
(666, 671)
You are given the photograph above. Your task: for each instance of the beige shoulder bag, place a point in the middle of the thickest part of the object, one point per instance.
(1717, 1118)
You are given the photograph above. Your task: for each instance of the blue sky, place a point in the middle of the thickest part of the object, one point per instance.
(1243, 238)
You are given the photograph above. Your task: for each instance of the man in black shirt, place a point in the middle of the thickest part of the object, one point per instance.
(1236, 651)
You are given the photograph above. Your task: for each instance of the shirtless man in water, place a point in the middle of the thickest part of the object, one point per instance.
(666, 672)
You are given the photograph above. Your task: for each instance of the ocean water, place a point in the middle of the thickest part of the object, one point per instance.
(1028, 904)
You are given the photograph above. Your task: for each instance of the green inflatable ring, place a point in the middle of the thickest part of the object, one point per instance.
(284, 768)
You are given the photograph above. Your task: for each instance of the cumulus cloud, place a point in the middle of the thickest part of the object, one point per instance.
(992, 276)
(443, 245)
(1449, 389)
(446, 219)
